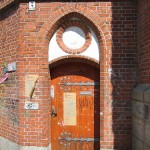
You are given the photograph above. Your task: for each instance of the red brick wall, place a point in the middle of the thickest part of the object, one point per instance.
(9, 90)
(143, 40)
(115, 25)
(124, 72)
(116, 21)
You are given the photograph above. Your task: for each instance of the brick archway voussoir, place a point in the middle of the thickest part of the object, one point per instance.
(48, 28)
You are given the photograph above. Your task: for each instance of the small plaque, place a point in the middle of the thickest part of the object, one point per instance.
(31, 105)
(70, 109)
(32, 5)
(11, 66)
(85, 92)
(30, 84)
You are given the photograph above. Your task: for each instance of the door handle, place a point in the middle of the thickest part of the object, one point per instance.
(53, 114)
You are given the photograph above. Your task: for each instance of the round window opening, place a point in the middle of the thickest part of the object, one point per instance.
(74, 37)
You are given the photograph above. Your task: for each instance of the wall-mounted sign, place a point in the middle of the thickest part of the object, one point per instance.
(32, 5)
(70, 109)
(30, 85)
(11, 66)
(31, 105)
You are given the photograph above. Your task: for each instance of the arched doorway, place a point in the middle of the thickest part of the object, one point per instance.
(75, 107)
(75, 91)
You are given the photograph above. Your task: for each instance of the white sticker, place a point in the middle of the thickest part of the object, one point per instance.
(52, 92)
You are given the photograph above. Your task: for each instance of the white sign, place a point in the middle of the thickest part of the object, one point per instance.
(12, 66)
(31, 105)
(70, 109)
(32, 5)
(52, 92)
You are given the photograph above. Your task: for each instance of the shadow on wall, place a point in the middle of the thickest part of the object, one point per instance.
(123, 72)
(12, 10)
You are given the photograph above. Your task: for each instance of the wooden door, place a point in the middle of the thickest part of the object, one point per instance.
(75, 107)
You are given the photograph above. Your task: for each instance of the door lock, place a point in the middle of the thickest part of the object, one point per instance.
(53, 114)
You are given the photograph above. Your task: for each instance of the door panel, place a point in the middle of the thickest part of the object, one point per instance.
(75, 121)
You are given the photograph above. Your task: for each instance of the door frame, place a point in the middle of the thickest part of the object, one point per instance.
(72, 58)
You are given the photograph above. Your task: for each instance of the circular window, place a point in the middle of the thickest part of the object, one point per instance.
(73, 37)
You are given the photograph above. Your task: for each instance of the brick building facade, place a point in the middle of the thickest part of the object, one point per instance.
(117, 38)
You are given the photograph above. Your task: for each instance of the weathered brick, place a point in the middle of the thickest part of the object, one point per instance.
(25, 38)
